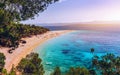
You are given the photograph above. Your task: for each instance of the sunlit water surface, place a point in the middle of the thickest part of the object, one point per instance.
(73, 49)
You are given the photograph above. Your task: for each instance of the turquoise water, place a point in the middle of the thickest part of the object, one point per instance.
(73, 49)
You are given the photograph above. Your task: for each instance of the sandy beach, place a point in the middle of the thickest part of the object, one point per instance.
(24, 49)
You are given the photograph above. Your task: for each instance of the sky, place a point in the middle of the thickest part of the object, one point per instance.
(69, 11)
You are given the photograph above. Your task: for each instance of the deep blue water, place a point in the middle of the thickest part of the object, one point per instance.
(73, 49)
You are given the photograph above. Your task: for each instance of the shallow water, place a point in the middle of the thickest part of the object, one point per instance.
(73, 49)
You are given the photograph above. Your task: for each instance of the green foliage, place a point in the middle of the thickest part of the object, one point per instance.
(108, 64)
(24, 9)
(12, 72)
(57, 71)
(4, 72)
(2, 61)
(78, 71)
(31, 65)
(5, 17)
(13, 11)
(10, 35)
(72, 71)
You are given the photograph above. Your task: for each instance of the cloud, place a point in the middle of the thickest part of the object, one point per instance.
(60, 1)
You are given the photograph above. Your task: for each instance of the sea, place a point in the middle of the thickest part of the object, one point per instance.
(73, 49)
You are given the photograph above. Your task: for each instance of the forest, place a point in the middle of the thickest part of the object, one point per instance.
(10, 35)
(14, 11)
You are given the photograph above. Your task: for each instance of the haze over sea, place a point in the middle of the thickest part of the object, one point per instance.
(73, 49)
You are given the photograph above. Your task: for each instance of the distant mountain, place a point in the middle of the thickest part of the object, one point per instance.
(92, 22)
(103, 22)
(98, 26)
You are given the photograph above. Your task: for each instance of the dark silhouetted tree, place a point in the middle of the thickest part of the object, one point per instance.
(2, 61)
(92, 50)
(31, 65)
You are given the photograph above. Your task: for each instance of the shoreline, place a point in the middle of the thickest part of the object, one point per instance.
(24, 49)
